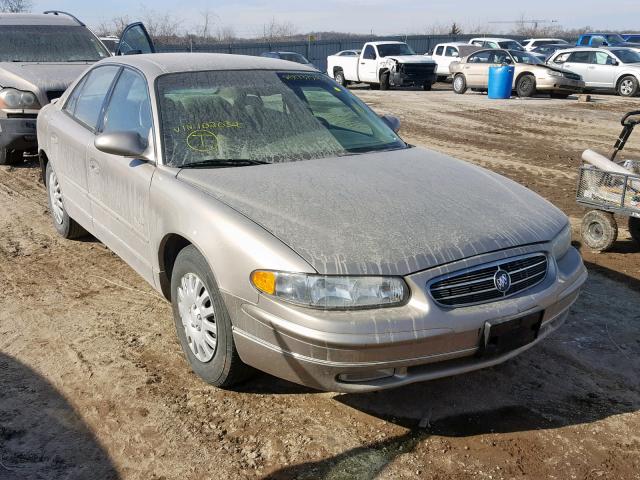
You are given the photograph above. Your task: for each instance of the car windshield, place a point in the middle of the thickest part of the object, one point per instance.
(49, 43)
(525, 57)
(227, 118)
(510, 45)
(627, 56)
(294, 57)
(391, 49)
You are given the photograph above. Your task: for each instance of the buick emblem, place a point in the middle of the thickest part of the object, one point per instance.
(502, 281)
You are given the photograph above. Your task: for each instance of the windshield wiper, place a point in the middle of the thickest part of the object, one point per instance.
(222, 163)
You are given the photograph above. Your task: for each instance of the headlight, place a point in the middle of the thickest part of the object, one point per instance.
(553, 73)
(13, 99)
(332, 292)
(561, 243)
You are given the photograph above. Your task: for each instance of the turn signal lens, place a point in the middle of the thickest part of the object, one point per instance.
(264, 281)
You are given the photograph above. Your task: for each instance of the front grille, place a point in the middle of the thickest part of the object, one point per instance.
(476, 285)
(53, 94)
(418, 68)
(572, 76)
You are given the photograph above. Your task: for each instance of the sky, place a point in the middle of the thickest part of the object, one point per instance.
(383, 17)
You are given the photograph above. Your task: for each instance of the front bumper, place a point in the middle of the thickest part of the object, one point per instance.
(402, 79)
(559, 84)
(416, 342)
(18, 133)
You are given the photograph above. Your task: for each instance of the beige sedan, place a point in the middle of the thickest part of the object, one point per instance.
(531, 75)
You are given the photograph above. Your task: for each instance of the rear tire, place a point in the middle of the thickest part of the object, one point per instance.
(634, 229)
(526, 86)
(599, 230)
(560, 96)
(427, 86)
(66, 226)
(198, 311)
(628, 86)
(340, 80)
(459, 84)
(9, 157)
(384, 81)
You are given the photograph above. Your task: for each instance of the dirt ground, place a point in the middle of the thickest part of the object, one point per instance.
(93, 383)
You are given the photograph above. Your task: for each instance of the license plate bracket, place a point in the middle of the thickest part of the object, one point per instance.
(503, 337)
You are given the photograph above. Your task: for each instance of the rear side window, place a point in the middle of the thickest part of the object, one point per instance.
(129, 108)
(580, 57)
(439, 50)
(369, 53)
(451, 51)
(91, 94)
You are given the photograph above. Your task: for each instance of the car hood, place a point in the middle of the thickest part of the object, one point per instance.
(411, 58)
(390, 213)
(40, 78)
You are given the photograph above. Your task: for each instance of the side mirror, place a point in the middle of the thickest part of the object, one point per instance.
(123, 144)
(392, 122)
(614, 62)
(507, 61)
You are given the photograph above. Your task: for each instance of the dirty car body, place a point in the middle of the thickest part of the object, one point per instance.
(328, 246)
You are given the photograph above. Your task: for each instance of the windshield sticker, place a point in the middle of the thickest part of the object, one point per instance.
(301, 76)
(189, 127)
(203, 141)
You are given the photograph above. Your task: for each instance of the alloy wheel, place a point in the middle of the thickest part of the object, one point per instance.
(626, 87)
(198, 317)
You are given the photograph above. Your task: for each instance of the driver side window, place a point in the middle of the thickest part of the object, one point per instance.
(369, 53)
(129, 108)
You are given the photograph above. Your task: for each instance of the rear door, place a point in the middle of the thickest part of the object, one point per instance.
(368, 67)
(135, 40)
(602, 70)
(72, 133)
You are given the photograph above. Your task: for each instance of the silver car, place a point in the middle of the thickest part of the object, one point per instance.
(294, 231)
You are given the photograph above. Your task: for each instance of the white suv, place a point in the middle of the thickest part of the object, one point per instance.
(531, 43)
(492, 42)
(444, 54)
(616, 69)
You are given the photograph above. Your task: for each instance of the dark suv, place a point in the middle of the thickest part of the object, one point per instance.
(40, 56)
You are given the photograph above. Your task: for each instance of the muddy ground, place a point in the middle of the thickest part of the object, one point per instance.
(93, 383)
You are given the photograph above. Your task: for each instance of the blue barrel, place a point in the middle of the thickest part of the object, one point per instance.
(501, 81)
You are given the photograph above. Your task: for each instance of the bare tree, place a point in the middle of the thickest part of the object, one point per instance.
(115, 26)
(276, 30)
(15, 6)
(208, 20)
(162, 27)
(226, 34)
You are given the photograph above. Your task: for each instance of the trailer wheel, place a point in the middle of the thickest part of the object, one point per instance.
(384, 81)
(599, 230)
(634, 229)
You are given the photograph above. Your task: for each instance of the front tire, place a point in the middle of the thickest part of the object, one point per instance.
(66, 226)
(384, 81)
(628, 86)
(340, 80)
(599, 230)
(459, 84)
(8, 157)
(526, 86)
(202, 322)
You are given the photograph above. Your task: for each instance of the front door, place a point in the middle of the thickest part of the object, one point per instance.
(579, 62)
(135, 40)
(368, 67)
(476, 69)
(119, 186)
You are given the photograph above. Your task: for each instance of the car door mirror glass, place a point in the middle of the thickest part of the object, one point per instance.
(392, 121)
(123, 144)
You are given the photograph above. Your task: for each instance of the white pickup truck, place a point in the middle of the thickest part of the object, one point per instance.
(382, 65)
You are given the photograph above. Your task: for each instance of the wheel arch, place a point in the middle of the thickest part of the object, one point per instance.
(43, 160)
(337, 69)
(382, 71)
(169, 248)
(625, 75)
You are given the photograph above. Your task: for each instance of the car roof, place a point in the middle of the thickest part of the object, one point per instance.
(494, 39)
(452, 44)
(384, 43)
(542, 39)
(156, 64)
(595, 49)
(36, 19)
(280, 52)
